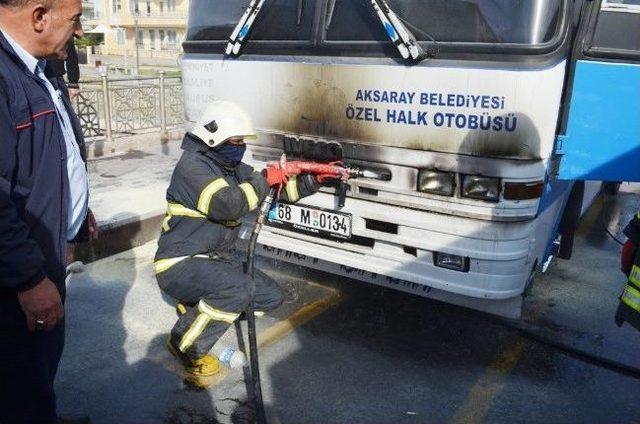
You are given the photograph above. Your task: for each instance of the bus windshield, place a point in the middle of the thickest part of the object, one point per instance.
(522, 22)
(277, 21)
(469, 21)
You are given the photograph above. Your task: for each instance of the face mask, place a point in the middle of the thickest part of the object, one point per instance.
(231, 153)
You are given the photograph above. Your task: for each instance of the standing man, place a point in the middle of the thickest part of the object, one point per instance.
(70, 67)
(43, 203)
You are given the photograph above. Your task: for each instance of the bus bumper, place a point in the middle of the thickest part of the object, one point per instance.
(500, 254)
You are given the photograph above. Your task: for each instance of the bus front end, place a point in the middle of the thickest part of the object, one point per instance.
(465, 138)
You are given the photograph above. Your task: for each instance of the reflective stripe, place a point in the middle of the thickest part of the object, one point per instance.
(231, 224)
(250, 194)
(176, 209)
(179, 210)
(292, 190)
(162, 265)
(165, 223)
(631, 297)
(217, 314)
(204, 201)
(206, 315)
(194, 331)
(634, 276)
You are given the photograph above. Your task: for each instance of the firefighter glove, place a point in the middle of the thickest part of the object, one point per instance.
(275, 176)
(627, 256)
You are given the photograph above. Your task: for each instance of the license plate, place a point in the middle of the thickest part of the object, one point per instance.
(315, 221)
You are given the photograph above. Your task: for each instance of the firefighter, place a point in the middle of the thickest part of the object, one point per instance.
(629, 308)
(210, 191)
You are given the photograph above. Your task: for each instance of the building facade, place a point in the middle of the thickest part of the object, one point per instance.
(158, 26)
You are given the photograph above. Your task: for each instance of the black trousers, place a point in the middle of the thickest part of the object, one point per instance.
(28, 366)
(214, 293)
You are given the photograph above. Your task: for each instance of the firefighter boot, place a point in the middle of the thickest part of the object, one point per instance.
(201, 367)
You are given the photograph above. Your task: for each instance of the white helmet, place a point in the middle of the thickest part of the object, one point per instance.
(221, 120)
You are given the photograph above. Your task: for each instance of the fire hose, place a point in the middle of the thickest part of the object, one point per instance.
(323, 172)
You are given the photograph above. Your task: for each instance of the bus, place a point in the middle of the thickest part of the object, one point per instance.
(494, 138)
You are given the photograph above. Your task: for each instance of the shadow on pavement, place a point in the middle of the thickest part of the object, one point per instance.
(119, 371)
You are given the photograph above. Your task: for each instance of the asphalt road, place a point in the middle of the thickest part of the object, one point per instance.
(357, 353)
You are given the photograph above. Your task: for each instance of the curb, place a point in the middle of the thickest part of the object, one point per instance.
(120, 236)
(100, 148)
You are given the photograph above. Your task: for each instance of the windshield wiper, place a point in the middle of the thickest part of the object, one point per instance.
(300, 11)
(331, 7)
(240, 33)
(399, 34)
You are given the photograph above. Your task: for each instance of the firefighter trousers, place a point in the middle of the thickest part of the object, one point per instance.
(214, 294)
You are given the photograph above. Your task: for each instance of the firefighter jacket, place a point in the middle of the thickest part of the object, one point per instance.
(207, 199)
(630, 297)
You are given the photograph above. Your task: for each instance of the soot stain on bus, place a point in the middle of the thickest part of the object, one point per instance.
(492, 144)
(319, 112)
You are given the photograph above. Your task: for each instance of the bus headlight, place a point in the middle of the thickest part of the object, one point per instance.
(435, 182)
(483, 188)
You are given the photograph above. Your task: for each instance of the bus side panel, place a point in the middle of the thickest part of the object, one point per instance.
(552, 205)
(603, 133)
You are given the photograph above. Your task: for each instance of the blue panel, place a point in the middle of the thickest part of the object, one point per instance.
(603, 133)
(553, 190)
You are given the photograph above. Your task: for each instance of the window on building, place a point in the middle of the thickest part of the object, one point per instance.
(134, 6)
(152, 38)
(173, 38)
(148, 8)
(161, 6)
(116, 5)
(139, 37)
(163, 39)
(120, 37)
(171, 5)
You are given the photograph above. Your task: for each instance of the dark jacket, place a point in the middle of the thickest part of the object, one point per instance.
(632, 230)
(207, 198)
(69, 66)
(33, 178)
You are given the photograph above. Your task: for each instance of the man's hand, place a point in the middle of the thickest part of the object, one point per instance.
(92, 226)
(73, 93)
(42, 305)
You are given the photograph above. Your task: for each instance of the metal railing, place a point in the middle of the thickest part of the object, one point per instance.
(113, 107)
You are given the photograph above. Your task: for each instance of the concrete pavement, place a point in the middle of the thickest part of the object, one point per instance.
(369, 355)
(127, 197)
